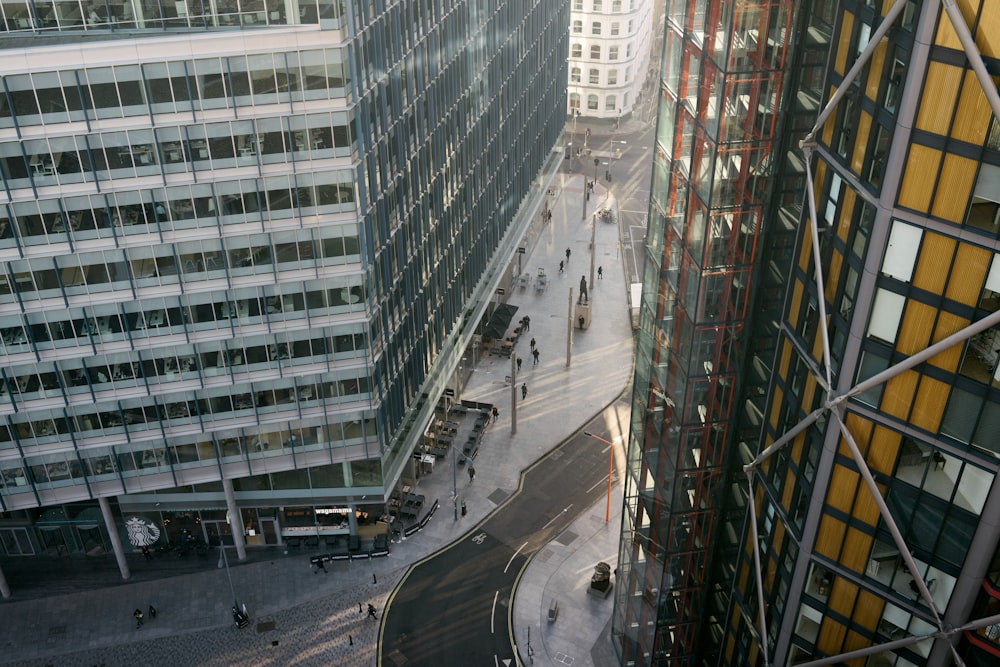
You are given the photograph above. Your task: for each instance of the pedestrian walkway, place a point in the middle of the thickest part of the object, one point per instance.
(306, 617)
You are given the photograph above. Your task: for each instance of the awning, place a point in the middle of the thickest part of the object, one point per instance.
(497, 326)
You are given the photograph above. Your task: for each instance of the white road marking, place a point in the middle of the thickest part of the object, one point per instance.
(493, 613)
(514, 556)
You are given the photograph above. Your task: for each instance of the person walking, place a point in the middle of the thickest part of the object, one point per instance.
(534, 353)
(532, 344)
(472, 473)
(526, 321)
(137, 615)
(600, 273)
(371, 611)
(152, 611)
(524, 391)
(494, 413)
(567, 255)
(519, 364)
(146, 553)
(560, 266)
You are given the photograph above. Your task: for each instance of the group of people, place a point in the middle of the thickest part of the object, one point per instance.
(139, 616)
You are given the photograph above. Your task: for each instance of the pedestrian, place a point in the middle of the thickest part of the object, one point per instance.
(146, 553)
(495, 413)
(472, 473)
(519, 364)
(152, 611)
(534, 353)
(137, 615)
(600, 273)
(567, 255)
(560, 267)
(527, 323)
(532, 344)
(319, 565)
(524, 391)
(371, 611)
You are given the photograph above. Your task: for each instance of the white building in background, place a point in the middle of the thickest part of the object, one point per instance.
(608, 56)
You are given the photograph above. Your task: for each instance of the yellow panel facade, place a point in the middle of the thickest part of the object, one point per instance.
(860, 141)
(857, 547)
(958, 177)
(938, 100)
(869, 611)
(843, 486)
(881, 456)
(973, 116)
(830, 536)
(928, 407)
(831, 637)
(832, 272)
(968, 274)
(842, 597)
(846, 214)
(875, 70)
(918, 323)
(946, 35)
(987, 37)
(932, 265)
(918, 178)
(948, 324)
(844, 45)
(898, 395)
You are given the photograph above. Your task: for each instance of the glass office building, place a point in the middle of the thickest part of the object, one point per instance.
(244, 246)
(814, 438)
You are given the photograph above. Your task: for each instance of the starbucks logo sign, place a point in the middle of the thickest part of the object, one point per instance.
(141, 533)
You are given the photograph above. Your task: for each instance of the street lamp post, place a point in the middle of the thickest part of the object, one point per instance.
(611, 469)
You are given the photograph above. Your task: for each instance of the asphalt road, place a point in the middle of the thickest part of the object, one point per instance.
(452, 608)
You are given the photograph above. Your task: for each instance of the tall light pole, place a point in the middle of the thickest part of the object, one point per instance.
(611, 469)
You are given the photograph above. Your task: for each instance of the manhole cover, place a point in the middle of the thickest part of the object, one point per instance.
(265, 626)
(396, 658)
(498, 496)
(566, 538)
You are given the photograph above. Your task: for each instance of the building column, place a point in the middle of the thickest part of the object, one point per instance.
(116, 540)
(4, 586)
(235, 519)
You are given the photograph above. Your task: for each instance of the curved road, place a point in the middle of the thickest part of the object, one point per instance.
(452, 607)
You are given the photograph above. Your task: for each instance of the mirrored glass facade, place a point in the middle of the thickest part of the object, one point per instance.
(247, 240)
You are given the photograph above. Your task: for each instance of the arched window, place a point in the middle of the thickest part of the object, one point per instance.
(595, 77)
(574, 75)
(595, 52)
(592, 102)
(616, 5)
(612, 77)
(574, 100)
(595, 28)
(609, 103)
(612, 53)
(576, 51)
(577, 26)
(615, 28)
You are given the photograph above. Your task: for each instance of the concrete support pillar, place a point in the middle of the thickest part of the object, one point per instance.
(4, 586)
(235, 519)
(569, 330)
(116, 541)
